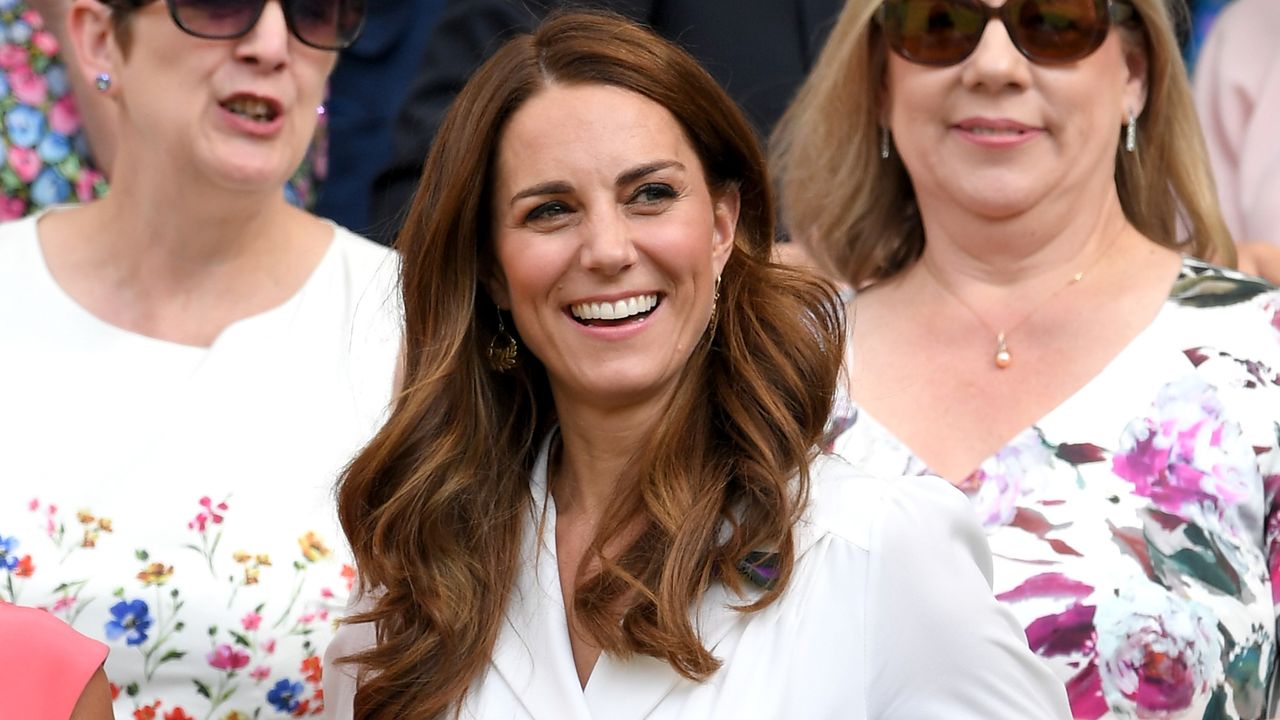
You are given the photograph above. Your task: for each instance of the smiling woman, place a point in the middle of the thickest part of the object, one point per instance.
(601, 492)
(1018, 194)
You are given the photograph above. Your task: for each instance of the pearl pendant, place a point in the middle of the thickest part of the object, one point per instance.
(1003, 358)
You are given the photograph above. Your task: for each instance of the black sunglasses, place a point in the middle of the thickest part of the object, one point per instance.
(323, 24)
(1048, 32)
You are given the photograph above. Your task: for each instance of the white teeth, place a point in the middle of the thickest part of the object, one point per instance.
(619, 310)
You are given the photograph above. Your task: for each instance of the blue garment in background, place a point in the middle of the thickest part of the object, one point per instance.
(365, 93)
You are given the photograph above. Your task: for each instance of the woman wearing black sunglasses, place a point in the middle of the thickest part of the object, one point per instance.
(1018, 193)
(186, 364)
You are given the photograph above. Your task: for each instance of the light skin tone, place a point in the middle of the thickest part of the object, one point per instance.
(1002, 212)
(598, 197)
(195, 233)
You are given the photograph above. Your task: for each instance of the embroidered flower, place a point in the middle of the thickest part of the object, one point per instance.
(311, 670)
(313, 548)
(156, 574)
(251, 621)
(260, 673)
(210, 515)
(285, 695)
(177, 714)
(8, 553)
(1157, 652)
(226, 657)
(25, 568)
(130, 619)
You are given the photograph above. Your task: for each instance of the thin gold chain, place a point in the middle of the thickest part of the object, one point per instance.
(1003, 358)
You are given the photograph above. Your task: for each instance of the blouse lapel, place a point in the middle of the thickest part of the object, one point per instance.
(631, 689)
(532, 653)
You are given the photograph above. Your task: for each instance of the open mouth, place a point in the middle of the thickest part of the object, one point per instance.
(254, 108)
(618, 312)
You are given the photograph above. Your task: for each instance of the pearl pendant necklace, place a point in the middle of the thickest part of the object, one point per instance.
(1003, 358)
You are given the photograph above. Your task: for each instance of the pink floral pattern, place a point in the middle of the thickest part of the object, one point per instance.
(1137, 542)
(151, 616)
(43, 156)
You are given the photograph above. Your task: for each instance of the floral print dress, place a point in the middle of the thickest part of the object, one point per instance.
(176, 502)
(1134, 527)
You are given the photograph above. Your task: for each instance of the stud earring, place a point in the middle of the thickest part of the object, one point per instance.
(501, 354)
(884, 143)
(102, 82)
(1131, 133)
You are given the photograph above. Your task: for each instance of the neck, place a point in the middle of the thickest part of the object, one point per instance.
(596, 448)
(180, 261)
(1000, 267)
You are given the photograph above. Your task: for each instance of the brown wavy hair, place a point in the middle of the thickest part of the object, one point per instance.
(436, 505)
(858, 213)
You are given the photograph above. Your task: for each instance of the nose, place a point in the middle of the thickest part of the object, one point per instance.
(996, 63)
(267, 43)
(607, 247)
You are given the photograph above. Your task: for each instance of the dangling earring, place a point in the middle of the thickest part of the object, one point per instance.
(715, 309)
(502, 349)
(884, 143)
(1131, 133)
(102, 82)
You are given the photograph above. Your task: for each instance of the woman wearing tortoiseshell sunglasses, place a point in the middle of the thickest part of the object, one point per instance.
(1019, 195)
(186, 364)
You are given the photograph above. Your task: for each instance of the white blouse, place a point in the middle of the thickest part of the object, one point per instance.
(889, 614)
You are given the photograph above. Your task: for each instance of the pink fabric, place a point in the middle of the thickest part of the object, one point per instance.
(44, 664)
(1237, 86)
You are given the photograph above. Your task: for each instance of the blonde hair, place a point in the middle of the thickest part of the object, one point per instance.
(858, 213)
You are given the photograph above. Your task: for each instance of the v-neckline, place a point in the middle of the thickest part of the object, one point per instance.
(533, 652)
(916, 461)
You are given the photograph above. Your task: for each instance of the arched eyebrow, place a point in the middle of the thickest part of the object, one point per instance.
(627, 177)
(555, 187)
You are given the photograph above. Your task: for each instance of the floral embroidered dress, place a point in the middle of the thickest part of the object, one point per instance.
(1134, 527)
(176, 502)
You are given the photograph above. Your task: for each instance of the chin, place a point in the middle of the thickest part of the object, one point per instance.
(254, 178)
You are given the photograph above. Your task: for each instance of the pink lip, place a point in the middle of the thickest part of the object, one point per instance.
(248, 126)
(1014, 133)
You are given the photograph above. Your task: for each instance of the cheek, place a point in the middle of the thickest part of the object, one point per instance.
(531, 268)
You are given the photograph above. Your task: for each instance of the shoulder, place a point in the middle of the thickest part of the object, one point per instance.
(860, 508)
(20, 258)
(17, 237)
(1224, 309)
(1203, 284)
(937, 642)
(364, 256)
